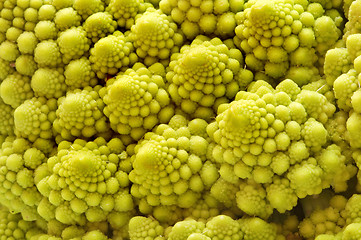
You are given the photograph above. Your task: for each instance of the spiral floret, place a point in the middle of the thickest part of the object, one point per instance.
(155, 37)
(5, 69)
(168, 166)
(15, 89)
(99, 25)
(141, 228)
(80, 114)
(27, 42)
(285, 39)
(66, 18)
(204, 75)
(275, 137)
(337, 62)
(9, 51)
(47, 54)
(6, 119)
(203, 17)
(344, 87)
(34, 118)
(19, 161)
(79, 74)
(136, 101)
(223, 226)
(256, 229)
(45, 30)
(125, 11)
(87, 184)
(111, 53)
(49, 82)
(85, 8)
(73, 43)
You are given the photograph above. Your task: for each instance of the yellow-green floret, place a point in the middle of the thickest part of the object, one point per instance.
(183, 229)
(73, 43)
(136, 101)
(87, 183)
(257, 229)
(283, 38)
(34, 118)
(66, 18)
(125, 11)
(9, 51)
(274, 137)
(85, 8)
(5, 69)
(223, 227)
(111, 53)
(352, 26)
(13, 226)
(337, 62)
(45, 30)
(15, 89)
(79, 74)
(6, 119)
(47, 54)
(168, 165)
(155, 37)
(344, 87)
(27, 42)
(142, 228)
(49, 82)
(80, 114)
(203, 17)
(26, 65)
(204, 75)
(19, 160)
(99, 25)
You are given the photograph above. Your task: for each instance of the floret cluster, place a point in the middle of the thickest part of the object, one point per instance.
(180, 120)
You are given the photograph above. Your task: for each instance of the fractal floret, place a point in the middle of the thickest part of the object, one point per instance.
(79, 74)
(169, 165)
(49, 82)
(111, 53)
(6, 119)
(155, 36)
(203, 17)
(13, 226)
(277, 138)
(34, 118)
(99, 25)
(5, 69)
(285, 39)
(20, 161)
(204, 75)
(80, 114)
(86, 184)
(136, 101)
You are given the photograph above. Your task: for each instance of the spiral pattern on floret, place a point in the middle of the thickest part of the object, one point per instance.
(99, 25)
(204, 75)
(6, 119)
(34, 118)
(66, 18)
(110, 54)
(136, 101)
(80, 114)
(47, 54)
(155, 36)
(85, 8)
(15, 89)
(86, 183)
(79, 74)
(5, 69)
(49, 82)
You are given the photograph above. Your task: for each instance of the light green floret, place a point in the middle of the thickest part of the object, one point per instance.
(352, 26)
(155, 36)
(353, 45)
(353, 209)
(46, 29)
(136, 101)
(168, 167)
(12, 226)
(99, 25)
(337, 62)
(5, 69)
(73, 43)
(208, 206)
(15, 89)
(203, 17)
(352, 232)
(254, 228)
(9, 51)
(26, 65)
(251, 199)
(181, 230)
(78, 74)
(6, 119)
(142, 228)
(13, 33)
(280, 195)
(46, 12)
(204, 75)
(80, 114)
(66, 18)
(49, 82)
(47, 54)
(354, 129)
(112, 53)
(85, 8)
(60, 4)
(87, 184)
(34, 118)
(344, 86)
(125, 11)
(223, 227)
(18, 191)
(27, 42)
